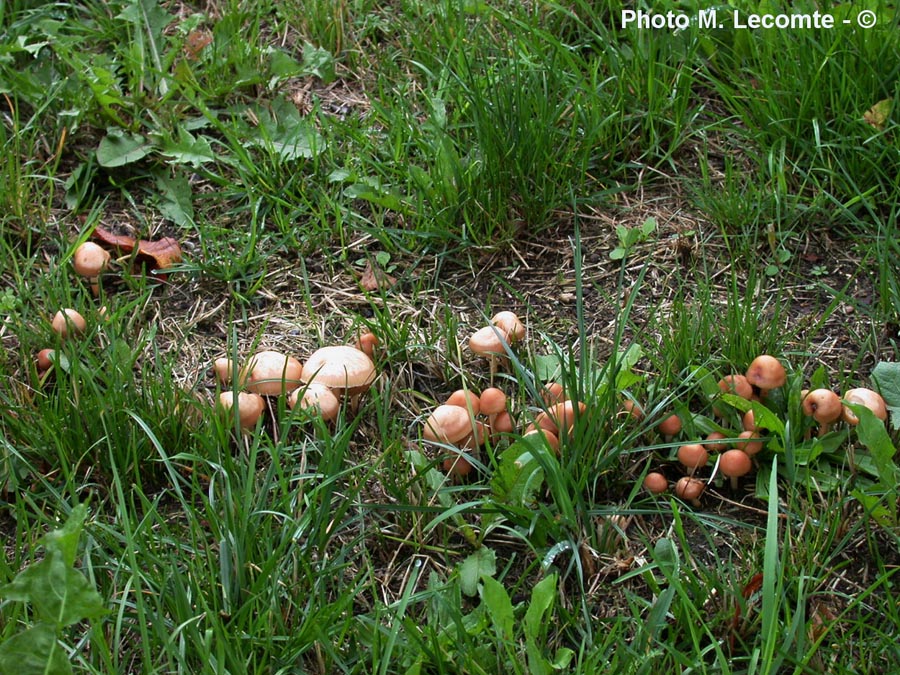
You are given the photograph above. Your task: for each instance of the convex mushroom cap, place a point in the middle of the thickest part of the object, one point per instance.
(867, 397)
(272, 373)
(89, 259)
(68, 322)
(317, 397)
(766, 372)
(448, 424)
(250, 406)
(345, 370)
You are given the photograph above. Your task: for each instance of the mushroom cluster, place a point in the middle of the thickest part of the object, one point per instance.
(465, 421)
(331, 375)
(735, 451)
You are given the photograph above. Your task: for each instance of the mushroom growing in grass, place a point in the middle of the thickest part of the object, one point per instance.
(693, 456)
(655, 483)
(766, 373)
(316, 397)
(670, 427)
(824, 406)
(250, 406)
(345, 370)
(734, 464)
(89, 260)
(490, 342)
(871, 399)
(510, 324)
(463, 398)
(68, 323)
(749, 442)
(493, 402)
(448, 424)
(689, 489)
(272, 373)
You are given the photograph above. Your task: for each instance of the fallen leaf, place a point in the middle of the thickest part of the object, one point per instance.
(375, 278)
(158, 254)
(196, 41)
(878, 115)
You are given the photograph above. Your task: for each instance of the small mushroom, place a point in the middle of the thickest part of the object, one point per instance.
(89, 259)
(490, 342)
(493, 402)
(871, 399)
(510, 324)
(734, 464)
(693, 456)
(824, 406)
(749, 442)
(670, 427)
(766, 373)
(655, 483)
(463, 398)
(347, 371)
(68, 323)
(272, 373)
(448, 424)
(250, 406)
(689, 489)
(316, 396)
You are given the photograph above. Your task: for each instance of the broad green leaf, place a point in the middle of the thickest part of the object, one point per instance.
(188, 149)
(548, 367)
(765, 418)
(58, 593)
(886, 377)
(542, 598)
(481, 563)
(519, 475)
(666, 556)
(285, 132)
(499, 606)
(175, 199)
(65, 539)
(35, 651)
(873, 434)
(118, 148)
(318, 62)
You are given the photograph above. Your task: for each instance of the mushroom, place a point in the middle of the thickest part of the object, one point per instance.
(766, 373)
(493, 402)
(89, 259)
(448, 424)
(457, 466)
(490, 342)
(871, 399)
(551, 439)
(250, 406)
(318, 397)
(655, 483)
(670, 427)
(347, 371)
(734, 464)
(463, 398)
(224, 370)
(713, 441)
(689, 489)
(366, 343)
(272, 373)
(693, 456)
(560, 418)
(44, 360)
(68, 322)
(749, 442)
(824, 406)
(553, 392)
(510, 324)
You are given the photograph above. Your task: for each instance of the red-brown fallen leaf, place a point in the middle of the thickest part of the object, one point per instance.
(159, 254)
(375, 278)
(752, 587)
(196, 41)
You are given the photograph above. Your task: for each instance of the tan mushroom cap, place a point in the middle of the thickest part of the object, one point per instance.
(448, 424)
(464, 398)
(250, 406)
(690, 489)
(272, 373)
(318, 397)
(68, 322)
(488, 341)
(89, 259)
(735, 463)
(493, 401)
(510, 324)
(867, 397)
(823, 405)
(655, 483)
(766, 372)
(693, 456)
(344, 369)
(736, 384)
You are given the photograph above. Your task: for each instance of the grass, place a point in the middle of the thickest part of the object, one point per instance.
(487, 156)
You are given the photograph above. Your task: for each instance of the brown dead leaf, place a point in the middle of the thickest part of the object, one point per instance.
(878, 115)
(375, 279)
(196, 41)
(158, 254)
